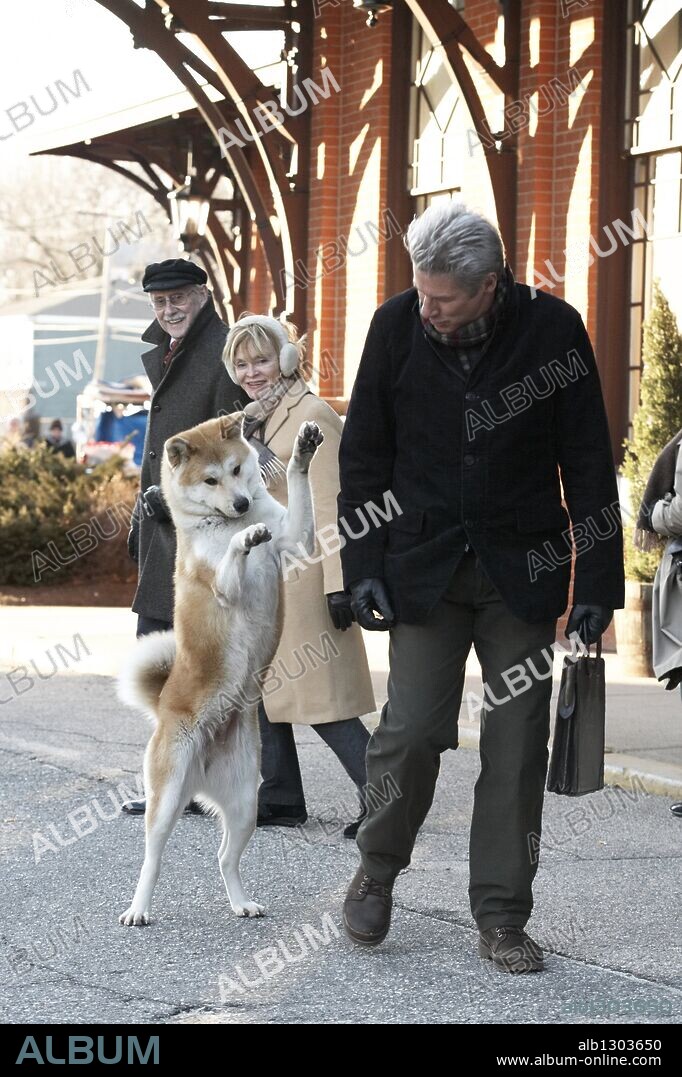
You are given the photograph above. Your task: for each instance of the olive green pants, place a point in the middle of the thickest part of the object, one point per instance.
(419, 722)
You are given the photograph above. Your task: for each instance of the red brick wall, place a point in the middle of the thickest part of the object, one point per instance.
(557, 191)
(349, 155)
(258, 290)
(325, 297)
(558, 172)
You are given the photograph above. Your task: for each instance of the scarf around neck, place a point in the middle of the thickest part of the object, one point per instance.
(477, 332)
(256, 415)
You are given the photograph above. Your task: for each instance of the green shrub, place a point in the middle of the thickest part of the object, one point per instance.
(657, 419)
(43, 497)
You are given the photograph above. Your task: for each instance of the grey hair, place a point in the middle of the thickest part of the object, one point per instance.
(449, 238)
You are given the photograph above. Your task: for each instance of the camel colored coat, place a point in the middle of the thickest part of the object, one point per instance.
(319, 673)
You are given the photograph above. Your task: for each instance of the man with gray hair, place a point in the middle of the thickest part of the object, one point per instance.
(477, 404)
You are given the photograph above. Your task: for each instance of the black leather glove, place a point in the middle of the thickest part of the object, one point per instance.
(338, 603)
(134, 533)
(369, 595)
(590, 622)
(154, 504)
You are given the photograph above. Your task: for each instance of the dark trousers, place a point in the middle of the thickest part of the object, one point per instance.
(280, 770)
(419, 722)
(146, 625)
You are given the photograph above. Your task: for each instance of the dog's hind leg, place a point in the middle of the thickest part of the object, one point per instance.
(165, 776)
(233, 786)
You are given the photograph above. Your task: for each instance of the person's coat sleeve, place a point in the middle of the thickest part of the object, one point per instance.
(589, 479)
(366, 458)
(666, 516)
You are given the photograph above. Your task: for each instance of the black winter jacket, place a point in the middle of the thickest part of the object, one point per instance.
(194, 388)
(481, 459)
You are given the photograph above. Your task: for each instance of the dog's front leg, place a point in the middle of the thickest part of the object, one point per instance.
(229, 577)
(298, 526)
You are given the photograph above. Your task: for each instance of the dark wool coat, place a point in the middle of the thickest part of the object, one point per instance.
(193, 388)
(482, 459)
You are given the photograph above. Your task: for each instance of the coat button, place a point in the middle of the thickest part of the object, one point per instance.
(468, 523)
(157, 407)
(469, 459)
(152, 454)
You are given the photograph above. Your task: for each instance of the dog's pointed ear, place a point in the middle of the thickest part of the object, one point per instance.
(232, 425)
(178, 450)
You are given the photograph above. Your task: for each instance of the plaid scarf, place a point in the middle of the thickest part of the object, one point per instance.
(256, 415)
(468, 343)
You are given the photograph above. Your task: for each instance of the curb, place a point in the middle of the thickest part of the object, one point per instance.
(651, 775)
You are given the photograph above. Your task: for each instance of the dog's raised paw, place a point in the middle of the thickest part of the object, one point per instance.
(249, 908)
(134, 918)
(309, 438)
(255, 535)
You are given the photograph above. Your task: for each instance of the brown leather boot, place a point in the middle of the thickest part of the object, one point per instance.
(367, 909)
(510, 949)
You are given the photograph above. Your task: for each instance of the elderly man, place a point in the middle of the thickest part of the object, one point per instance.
(476, 401)
(190, 385)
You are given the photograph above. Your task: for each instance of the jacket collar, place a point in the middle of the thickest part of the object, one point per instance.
(504, 323)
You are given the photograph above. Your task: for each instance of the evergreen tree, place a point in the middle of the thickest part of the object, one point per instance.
(657, 419)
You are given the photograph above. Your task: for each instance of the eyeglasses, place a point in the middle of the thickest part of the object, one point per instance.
(178, 299)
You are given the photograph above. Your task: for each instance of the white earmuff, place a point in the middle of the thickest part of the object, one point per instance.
(288, 359)
(288, 352)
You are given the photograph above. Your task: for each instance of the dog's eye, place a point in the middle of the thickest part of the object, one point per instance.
(237, 469)
(210, 481)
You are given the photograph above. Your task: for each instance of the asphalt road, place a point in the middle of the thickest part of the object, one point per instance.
(607, 898)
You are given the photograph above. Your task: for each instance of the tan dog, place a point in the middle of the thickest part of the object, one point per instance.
(195, 682)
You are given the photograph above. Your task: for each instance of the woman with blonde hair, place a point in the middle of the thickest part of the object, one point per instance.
(330, 690)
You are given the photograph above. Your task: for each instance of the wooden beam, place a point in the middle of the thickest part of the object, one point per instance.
(443, 27)
(453, 31)
(149, 28)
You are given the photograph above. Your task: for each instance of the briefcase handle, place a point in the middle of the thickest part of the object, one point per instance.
(574, 650)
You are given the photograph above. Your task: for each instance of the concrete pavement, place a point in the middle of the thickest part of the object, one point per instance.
(643, 728)
(607, 892)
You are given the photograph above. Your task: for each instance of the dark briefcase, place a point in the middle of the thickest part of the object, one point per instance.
(576, 766)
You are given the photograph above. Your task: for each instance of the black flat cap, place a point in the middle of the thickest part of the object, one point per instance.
(173, 273)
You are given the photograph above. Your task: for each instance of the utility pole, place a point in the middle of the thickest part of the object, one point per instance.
(101, 353)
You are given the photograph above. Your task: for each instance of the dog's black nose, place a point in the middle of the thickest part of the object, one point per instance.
(241, 505)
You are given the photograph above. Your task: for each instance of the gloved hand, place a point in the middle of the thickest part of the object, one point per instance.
(590, 622)
(134, 539)
(154, 504)
(367, 596)
(338, 603)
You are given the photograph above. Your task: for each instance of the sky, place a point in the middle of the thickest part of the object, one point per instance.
(47, 40)
(44, 41)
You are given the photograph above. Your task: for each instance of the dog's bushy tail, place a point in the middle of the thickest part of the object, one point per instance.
(146, 671)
